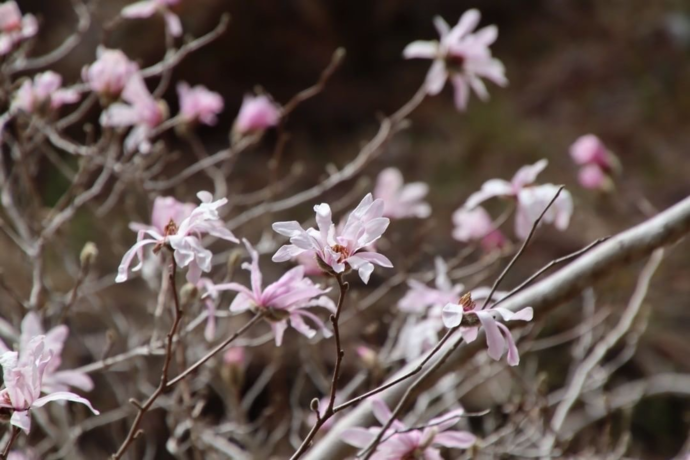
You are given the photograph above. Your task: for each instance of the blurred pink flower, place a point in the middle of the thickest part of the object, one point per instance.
(141, 111)
(401, 200)
(165, 209)
(476, 225)
(419, 298)
(53, 379)
(199, 104)
(110, 73)
(235, 356)
(597, 162)
(462, 56)
(257, 114)
(284, 302)
(23, 380)
(402, 443)
(43, 92)
(14, 27)
(453, 314)
(183, 239)
(25, 454)
(531, 199)
(339, 249)
(147, 8)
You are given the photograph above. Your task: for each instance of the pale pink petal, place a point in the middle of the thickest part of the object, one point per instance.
(142, 9)
(421, 49)
(357, 437)
(461, 91)
(491, 188)
(494, 338)
(21, 420)
(593, 177)
(72, 379)
(64, 396)
(524, 314)
(172, 22)
(513, 357)
(452, 315)
(436, 77)
(455, 439)
(528, 174)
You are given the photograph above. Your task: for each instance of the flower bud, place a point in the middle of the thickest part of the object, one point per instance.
(88, 254)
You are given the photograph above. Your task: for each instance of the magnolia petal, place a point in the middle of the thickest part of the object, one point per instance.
(494, 338)
(452, 315)
(455, 439)
(436, 77)
(421, 49)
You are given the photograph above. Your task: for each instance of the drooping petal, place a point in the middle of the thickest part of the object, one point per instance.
(21, 420)
(436, 77)
(494, 338)
(64, 396)
(123, 269)
(461, 92)
(524, 314)
(455, 439)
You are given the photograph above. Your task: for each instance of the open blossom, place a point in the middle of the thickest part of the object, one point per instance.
(23, 380)
(401, 200)
(531, 199)
(199, 104)
(142, 111)
(257, 114)
(147, 8)
(14, 27)
(285, 302)
(44, 91)
(461, 55)
(596, 161)
(339, 249)
(165, 209)
(183, 239)
(53, 379)
(110, 73)
(425, 306)
(476, 225)
(402, 443)
(497, 334)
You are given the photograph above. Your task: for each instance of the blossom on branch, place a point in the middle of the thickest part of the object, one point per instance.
(461, 55)
(110, 73)
(400, 442)
(596, 161)
(401, 200)
(23, 380)
(43, 93)
(53, 379)
(183, 239)
(497, 334)
(257, 114)
(14, 27)
(531, 199)
(282, 303)
(339, 249)
(198, 104)
(147, 8)
(142, 111)
(476, 225)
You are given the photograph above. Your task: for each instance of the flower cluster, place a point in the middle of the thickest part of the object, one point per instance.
(14, 27)
(401, 200)
(400, 442)
(597, 163)
(43, 93)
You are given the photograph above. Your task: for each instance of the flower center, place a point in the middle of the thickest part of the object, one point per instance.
(467, 302)
(454, 63)
(342, 250)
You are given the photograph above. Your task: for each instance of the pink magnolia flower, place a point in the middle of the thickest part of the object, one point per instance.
(597, 162)
(23, 380)
(53, 379)
(165, 209)
(183, 239)
(402, 443)
(531, 199)
(14, 27)
(257, 114)
(339, 249)
(401, 200)
(142, 111)
(110, 73)
(147, 8)
(284, 302)
(199, 104)
(425, 306)
(497, 334)
(43, 92)
(462, 56)
(476, 225)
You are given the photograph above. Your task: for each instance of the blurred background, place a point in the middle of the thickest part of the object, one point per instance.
(619, 69)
